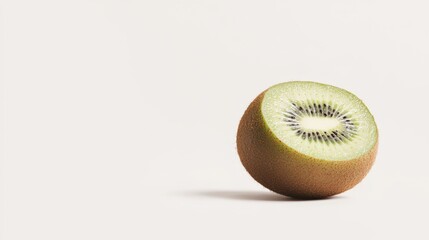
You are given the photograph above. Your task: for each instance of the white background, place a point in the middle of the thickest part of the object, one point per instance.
(119, 117)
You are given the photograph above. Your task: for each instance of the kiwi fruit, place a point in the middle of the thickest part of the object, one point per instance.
(307, 140)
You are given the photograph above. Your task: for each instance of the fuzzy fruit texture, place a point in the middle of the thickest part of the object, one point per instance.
(286, 171)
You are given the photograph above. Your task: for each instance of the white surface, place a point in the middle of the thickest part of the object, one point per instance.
(120, 116)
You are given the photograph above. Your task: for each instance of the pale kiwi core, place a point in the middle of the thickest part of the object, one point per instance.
(320, 121)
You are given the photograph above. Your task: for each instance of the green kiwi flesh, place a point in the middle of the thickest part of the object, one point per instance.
(307, 140)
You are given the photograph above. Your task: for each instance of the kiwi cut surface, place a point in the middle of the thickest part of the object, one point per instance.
(307, 139)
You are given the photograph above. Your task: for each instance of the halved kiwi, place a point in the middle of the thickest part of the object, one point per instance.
(307, 139)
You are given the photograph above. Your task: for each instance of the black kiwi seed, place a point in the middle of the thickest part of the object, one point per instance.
(292, 117)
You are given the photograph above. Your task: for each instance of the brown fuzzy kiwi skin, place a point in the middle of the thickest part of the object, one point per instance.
(288, 172)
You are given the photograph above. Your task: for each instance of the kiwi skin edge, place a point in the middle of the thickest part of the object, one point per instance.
(288, 172)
